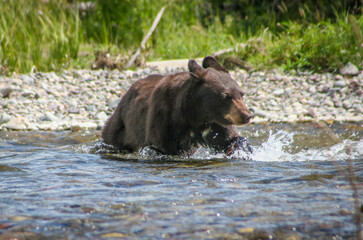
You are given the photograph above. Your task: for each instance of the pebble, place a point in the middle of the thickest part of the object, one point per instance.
(74, 110)
(91, 108)
(28, 93)
(323, 89)
(349, 69)
(278, 92)
(15, 124)
(338, 104)
(259, 113)
(340, 84)
(48, 116)
(101, 116)
(312, 89)
(76, 126)
(347, 104)
(4, 118)
(27, 79)
(5, 92)
(85, 99)
(358, 108)
(114, 103)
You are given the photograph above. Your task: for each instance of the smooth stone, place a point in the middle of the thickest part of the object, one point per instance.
(27, 79)
(76, 126)
(42, 101)
(329, 103)
(335, 89)
(312, 89)
(347, 104)
(340, 84)
(4, 118)
(101, 116)
(325, 89)
(27, 93)
(313, 103)
(12, 102)
(5, 92)
(146, 71)
(74, 110)
(259, 113)
(16, 124)
(338, 104)
(292, 117)
(48, 116)
(48, 126)
(114, 104)
(358, 108)
(349, 69)
(344, 90)
(358, 92)
(305, 85)
(128, 73)
(278, 92)
(338, 77)
(91, 108)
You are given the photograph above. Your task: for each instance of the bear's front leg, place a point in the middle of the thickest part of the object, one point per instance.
(225, 139)
(239, 143)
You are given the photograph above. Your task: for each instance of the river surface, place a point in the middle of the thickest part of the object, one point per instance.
(54, 185)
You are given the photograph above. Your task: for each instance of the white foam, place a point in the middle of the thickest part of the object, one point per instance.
(337, 152)
(206, 153)
(276, 149)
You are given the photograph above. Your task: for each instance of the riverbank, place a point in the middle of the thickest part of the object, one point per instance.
(84, 99)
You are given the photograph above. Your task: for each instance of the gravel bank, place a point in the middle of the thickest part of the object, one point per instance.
(84, 99)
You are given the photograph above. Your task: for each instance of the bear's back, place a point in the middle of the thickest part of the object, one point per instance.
(134, 106)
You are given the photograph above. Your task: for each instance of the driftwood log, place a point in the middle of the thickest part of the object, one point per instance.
(228, 50)
(142, 45)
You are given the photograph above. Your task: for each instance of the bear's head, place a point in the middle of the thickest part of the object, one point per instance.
(215, 95)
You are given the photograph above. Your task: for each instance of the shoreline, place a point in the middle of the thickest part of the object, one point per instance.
(84, 99)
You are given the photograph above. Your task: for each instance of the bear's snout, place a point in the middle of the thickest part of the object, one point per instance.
(238, 113)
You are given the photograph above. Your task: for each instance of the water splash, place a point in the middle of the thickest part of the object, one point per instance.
(207, 154)
(277, 148)
(274, 149)
(337, 152)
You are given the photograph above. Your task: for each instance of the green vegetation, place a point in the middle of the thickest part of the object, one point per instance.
(46, 35)
(324, 46)
(35, 34)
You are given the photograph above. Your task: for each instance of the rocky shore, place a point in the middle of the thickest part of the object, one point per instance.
(84, 99)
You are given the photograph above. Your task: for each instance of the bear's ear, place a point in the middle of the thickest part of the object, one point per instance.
(195, 69)
(213, 63)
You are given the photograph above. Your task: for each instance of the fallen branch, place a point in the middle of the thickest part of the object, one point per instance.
(142, 45)
(228, 50)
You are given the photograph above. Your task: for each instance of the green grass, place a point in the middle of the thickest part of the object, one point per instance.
(54, 35)
(38, 34)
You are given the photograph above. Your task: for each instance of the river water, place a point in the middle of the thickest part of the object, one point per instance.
(294, 186)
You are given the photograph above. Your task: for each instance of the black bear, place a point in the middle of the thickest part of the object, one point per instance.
(176, 113)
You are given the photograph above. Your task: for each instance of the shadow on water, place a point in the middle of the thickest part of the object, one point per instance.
(293, 186)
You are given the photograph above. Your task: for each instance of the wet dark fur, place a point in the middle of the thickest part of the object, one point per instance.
(178, 112)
